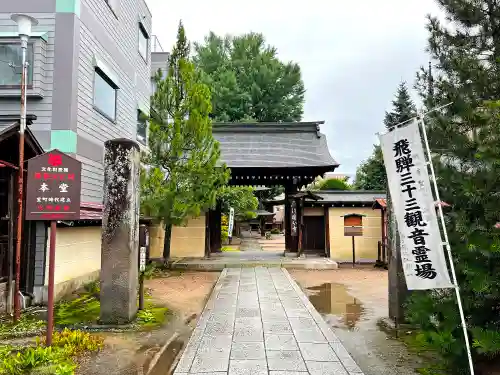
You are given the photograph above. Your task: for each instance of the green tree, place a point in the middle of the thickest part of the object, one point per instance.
(182, 174)
(465, 140)
(332, 184)
(240, 198)
(371, 175)
(403, 108)
(248, 81)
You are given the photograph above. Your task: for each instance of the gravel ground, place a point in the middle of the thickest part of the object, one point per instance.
(185, 294)
(352, 301)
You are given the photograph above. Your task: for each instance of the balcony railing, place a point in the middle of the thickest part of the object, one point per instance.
(155, 44)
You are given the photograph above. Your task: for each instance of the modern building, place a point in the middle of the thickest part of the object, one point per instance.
(89, 76)
(89, 80)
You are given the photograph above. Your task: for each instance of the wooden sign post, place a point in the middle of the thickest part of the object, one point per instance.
(53, 194)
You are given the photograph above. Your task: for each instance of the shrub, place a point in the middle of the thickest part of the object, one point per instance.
(75, 342)
(275, 231)
(56, 359)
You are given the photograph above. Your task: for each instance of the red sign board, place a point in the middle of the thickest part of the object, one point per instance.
(53, 187)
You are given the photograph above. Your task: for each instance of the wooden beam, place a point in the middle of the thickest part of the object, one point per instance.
(327, 232)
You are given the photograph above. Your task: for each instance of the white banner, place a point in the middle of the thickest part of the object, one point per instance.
(422, 250)
(230, 223)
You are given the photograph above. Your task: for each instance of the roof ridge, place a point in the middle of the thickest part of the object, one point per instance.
(267, 127)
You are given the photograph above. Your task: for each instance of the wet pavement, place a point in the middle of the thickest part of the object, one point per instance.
(355, 324)
(258, 321)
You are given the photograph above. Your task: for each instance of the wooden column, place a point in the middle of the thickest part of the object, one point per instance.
(218, 226)
(300, 220)
(207, 234)
(286, 222)
(327, 231)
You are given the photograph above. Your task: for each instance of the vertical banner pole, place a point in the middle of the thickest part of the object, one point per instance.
(447, 243)
(50, 302)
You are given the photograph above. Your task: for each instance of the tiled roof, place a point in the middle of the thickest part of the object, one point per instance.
(350, 196)
(90, 211)
(273, 145)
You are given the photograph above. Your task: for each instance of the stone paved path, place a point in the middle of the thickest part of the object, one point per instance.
(258, 321)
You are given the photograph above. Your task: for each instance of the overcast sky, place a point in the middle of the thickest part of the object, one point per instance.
(353, 54)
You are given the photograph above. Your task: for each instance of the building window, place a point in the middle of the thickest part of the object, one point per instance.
(142, 127)
(113, 5)
(105, 92)
(143, 42)
(353, 225)
(11, 60)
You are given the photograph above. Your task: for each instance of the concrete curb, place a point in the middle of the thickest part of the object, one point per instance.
(158, 355)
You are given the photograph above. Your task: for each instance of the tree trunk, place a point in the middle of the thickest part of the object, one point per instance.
(166, 242)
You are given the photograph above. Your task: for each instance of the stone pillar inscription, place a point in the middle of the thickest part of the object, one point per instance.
(120, 232)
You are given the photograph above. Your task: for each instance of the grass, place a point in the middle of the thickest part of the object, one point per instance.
(86, 308)
(27, 324)
(434, 364)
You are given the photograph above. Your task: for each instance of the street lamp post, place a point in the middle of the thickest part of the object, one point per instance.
(24, 24)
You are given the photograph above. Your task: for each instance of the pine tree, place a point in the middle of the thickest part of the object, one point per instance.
(465, 139)
(371, 175)
(403, 108)
(182, 174)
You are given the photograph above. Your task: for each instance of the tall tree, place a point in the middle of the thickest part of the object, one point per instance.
(403, 108)
(182, 174)
(371, 175)
(248, 81)
(464, 138)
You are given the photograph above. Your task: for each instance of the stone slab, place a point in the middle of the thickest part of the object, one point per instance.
(258, 321)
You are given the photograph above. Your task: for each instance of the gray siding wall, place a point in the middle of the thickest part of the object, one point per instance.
(112, 39)
(43, 77)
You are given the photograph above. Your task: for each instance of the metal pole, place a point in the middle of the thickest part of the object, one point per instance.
(447, 244)
(141, 290)
(50, 302)
(20, 180)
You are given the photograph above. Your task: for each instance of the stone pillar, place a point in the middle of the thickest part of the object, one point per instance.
(398, 292)
(120, 232)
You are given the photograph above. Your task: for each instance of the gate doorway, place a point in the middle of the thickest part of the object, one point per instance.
(314, 235)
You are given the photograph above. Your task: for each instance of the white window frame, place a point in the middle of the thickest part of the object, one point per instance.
(102, 74)
(113, 6)
(142, 32)
(142, 140)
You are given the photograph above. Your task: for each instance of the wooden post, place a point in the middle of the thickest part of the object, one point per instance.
(52, 266)
(327, 231)
(300, 209)
(353, 252)
(286, 221)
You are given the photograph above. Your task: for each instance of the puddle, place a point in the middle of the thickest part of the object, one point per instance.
(342, 309)
(354, 323)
